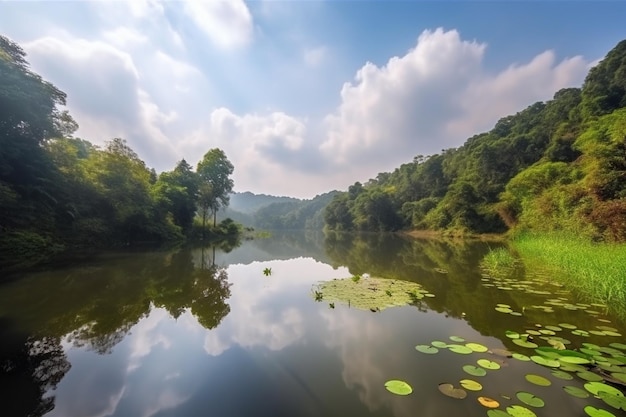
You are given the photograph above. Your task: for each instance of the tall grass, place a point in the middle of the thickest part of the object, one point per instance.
(595, 269)
(499, 261)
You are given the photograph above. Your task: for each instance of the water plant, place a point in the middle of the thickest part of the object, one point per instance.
(267, 272)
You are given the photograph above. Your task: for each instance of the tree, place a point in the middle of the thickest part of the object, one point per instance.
(177, 192)
(215, 184)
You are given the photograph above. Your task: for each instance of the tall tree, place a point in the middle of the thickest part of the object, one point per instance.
(215, 184)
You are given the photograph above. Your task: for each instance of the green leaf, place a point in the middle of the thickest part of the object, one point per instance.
(538, 380)
(597, 412)
(439, 344)
(463, 350)
(589, 376)
(487, 364)
(475, 370)
(540, 360)
(477, 347)
(615, 401)
(562, 375)
(471, 385)
(398, 387)
(521, 357)
(497, 413)
(519, 411)
(457, 339)
(525, 343)
(530, 399)
(597, 387)
(427, 349)
(576, 392)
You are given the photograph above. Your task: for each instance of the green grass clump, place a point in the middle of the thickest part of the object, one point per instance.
(595, 269)
(499, 260)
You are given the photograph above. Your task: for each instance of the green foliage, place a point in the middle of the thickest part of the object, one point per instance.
(595, 269)
(294, 214)
(59, 191)
(558, 165)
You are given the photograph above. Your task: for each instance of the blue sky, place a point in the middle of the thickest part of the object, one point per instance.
(306, 96)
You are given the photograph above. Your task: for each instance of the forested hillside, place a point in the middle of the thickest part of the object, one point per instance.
(558, 165)
(58, 191)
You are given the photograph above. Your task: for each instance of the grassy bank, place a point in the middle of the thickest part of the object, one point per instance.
(595, 269)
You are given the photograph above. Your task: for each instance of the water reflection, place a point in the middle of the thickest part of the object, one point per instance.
(203, 331)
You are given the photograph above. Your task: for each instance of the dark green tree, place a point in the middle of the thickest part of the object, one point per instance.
(215, 184)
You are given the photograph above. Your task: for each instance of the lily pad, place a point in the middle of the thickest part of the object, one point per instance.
(503, 310)
(525, 343)
(439, 344)
(488, 402)
(457, 339)
(589, 376)
(370, 293)
(530, 399)
(562, 375)
(620, 376)
(576, 392)
(538, 380)
(540, 360)
(471, 385)
(427, 349)
(451, 391)
(477, 347)
(521, 357)
(615, 401)
(597, 412)
(487, 364)
(596, 387)
(519, 411)
(511, 334)
(475, 370)
(574, 360)
(617, 345)
(567, 326)
(463, 350)
(398, 387)
(497, 413)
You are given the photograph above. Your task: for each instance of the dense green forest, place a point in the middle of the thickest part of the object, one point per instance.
(59, 192)
(558, 165)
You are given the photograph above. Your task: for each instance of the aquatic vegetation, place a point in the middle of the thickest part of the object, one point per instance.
(398, 387)
(267, 272)
(318, 296)
(451, 391)
(374, 294)
(595, 269)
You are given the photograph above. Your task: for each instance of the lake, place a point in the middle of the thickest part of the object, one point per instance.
(252, 330)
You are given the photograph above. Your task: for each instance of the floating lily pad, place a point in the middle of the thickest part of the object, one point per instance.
(457, 339)
(471, 385)
(554, 328)
(538, 380)
(521, 357)
(540, 360)
(574, 359)
(497, 413)
(451, 391)
(562, 375)
(576, 392)
(463, 350)
(616, 345)
(597, 387)
(567, 326)
(503, 310)
(525, 343)
(615, 401)
(488, 402)
(427, 349)
(572, 368)
(398, 387)
(597, 412)
(620, 376)
(487, 364)
(589, 376)
(530, 399)
(475, 370)
(580, 332)
(511, 334)
(611, 333)
(439, 344)
(519, 411)
(477, 347)
(371, 293)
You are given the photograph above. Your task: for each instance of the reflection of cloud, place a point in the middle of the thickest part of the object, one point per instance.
(258, 316)
(146, 338)
(166, 399)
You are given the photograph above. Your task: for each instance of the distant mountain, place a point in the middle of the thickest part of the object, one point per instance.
(249, 203)
(272, 212)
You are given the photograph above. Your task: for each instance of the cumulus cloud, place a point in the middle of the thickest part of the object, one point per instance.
(434, 97)
(227, 24)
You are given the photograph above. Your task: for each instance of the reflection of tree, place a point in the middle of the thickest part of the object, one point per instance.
(209, 293)
(28, 370)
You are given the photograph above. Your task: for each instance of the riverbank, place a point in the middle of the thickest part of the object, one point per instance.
(595, 269)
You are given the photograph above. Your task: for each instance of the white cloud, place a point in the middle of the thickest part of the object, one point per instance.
(227, 23)
(315, 56)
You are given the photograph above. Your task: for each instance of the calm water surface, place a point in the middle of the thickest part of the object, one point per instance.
(203, 332)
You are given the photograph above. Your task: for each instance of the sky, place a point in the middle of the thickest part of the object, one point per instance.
(308, 96)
